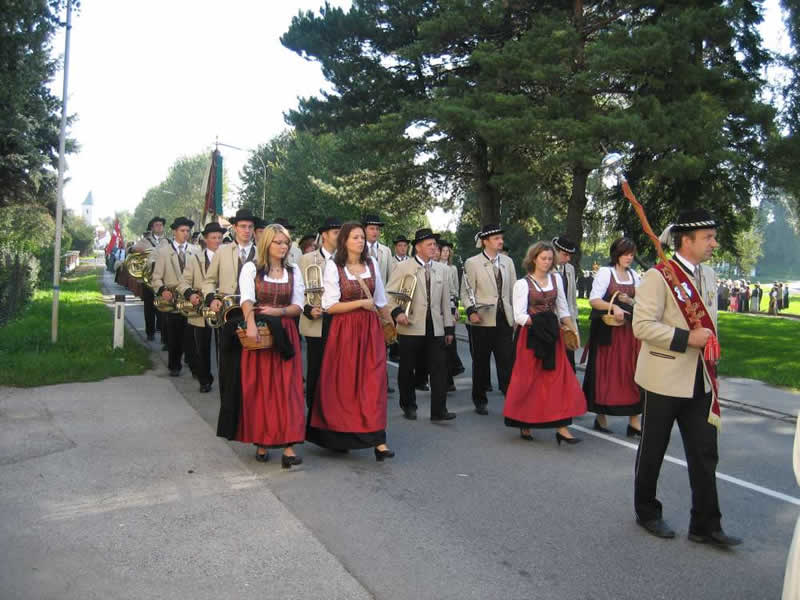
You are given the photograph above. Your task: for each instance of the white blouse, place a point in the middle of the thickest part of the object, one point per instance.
(332, 293)
(603, 279)
(520, 299)
(247, 284)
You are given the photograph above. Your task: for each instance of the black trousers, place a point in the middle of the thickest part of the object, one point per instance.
(314, 347)
(230, 382)
(434, 348)
(421, 368)
(202, 362)
(153, 319)
(180, 341)
(700, 446)
(486, 341)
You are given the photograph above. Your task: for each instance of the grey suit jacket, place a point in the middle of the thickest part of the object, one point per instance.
(439, 301)
(167, 272)
(480, 273)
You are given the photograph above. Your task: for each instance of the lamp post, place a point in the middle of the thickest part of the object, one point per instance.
(263, 166)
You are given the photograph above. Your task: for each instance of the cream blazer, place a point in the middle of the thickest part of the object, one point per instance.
(167, 272)
(666, 364)
(439, 301)
(223, 273)
(478, 269)
(192, 279)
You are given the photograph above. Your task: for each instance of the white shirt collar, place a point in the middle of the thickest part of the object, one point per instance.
(686, 263)
(246, 248)
(420, 262)
(209, 253)
(495, 260)
(325, 254)
(178, 246)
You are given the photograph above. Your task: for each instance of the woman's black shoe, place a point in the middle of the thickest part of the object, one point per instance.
(526, 436)
(633, 432)
(562, 438)
(381, 454)
(262, 457)
(600, 428)
(288, 461)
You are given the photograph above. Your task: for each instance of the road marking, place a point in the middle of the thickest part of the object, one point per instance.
(678, 461)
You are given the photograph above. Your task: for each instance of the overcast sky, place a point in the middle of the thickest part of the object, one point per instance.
(153, 80)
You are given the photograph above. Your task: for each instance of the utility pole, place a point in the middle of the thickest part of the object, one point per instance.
(60, 187)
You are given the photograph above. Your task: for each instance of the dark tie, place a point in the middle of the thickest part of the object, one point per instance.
(182, 258)
(498, 277)
(428, 286)
(208, 261)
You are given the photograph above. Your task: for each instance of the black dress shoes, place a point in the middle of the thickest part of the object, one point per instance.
(287, 462)
(657, 527)
(410, 414)
(262, 457)
(570, 441)
(380, 455)
(600, 428)
(633, 432)
(205, 388)
(715, 538)
(482, 410)
(525, 436)
(174, 372)
(445, 416)
(422, 388)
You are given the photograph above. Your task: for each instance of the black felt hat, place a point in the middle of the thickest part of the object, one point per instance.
(372, 220)
(489, 230)
(330, 223)
(692, 219)
(180, 222)
(154, 220)
(243, 214)
(423, 234)
(283, 221)
(213, 227)
(445, 244)
(401, 238)
(562, 243)
(259, 223)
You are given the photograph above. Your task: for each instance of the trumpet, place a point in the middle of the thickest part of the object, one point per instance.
(187, 309)
(314, 289)
(230, 310)
(404, 296)
(167, 306)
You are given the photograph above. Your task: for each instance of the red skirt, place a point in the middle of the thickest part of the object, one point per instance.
(349, 408)
(612, 369)
(273, 406)
(540, 398)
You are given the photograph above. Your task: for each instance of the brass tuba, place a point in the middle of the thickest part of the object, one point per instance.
(405, 295)
(314, 289)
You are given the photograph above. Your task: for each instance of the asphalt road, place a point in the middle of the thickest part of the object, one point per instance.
(469, 510)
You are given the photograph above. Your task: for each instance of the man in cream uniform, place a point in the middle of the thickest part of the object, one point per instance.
(491, 277)
(222, 277)
(152, 239)
(311, 319)
(171, 259)
(674, 386)
(190, 287)
(564, 251)
(428, 328)
(372, 230)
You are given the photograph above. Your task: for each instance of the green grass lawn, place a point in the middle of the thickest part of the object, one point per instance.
(752, 347)
(83, 352)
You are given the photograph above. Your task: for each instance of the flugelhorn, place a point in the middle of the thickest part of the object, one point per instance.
(404, 296)
(314, 289)
(187, 309)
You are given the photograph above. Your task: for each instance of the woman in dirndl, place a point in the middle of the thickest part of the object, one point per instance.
(349, 407)
(612, 351)
(273, 405)
(543, 391)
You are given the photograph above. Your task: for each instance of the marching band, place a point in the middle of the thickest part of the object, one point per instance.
(350, 298)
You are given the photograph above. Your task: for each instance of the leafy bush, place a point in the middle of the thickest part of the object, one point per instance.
(19, 271)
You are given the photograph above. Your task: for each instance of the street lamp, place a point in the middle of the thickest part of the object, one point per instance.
(263, 166)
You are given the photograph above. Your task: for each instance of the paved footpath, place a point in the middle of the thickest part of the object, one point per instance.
(119, 489)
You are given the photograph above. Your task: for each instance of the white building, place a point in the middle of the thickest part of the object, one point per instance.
(87, 210)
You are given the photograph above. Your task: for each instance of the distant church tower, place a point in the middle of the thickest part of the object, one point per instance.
(87, 210)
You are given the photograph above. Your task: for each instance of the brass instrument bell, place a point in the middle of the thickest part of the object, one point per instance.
(404, 296)
(314, 289)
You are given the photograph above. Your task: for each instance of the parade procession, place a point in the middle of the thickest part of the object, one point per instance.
(400, 300)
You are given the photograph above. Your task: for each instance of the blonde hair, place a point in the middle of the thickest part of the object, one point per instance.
(270, 231)
(529, 262)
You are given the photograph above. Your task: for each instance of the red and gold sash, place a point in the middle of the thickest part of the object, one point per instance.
(696, 314)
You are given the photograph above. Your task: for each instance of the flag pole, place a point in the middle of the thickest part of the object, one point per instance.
(60, 186)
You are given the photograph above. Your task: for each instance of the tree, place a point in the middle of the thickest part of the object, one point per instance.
(29, 113)
(506, 97)
(181, 194)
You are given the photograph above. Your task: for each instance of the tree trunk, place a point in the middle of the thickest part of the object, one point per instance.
(485, 193)
(577, 204)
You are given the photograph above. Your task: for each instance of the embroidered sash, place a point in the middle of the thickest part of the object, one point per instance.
(696, 314)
